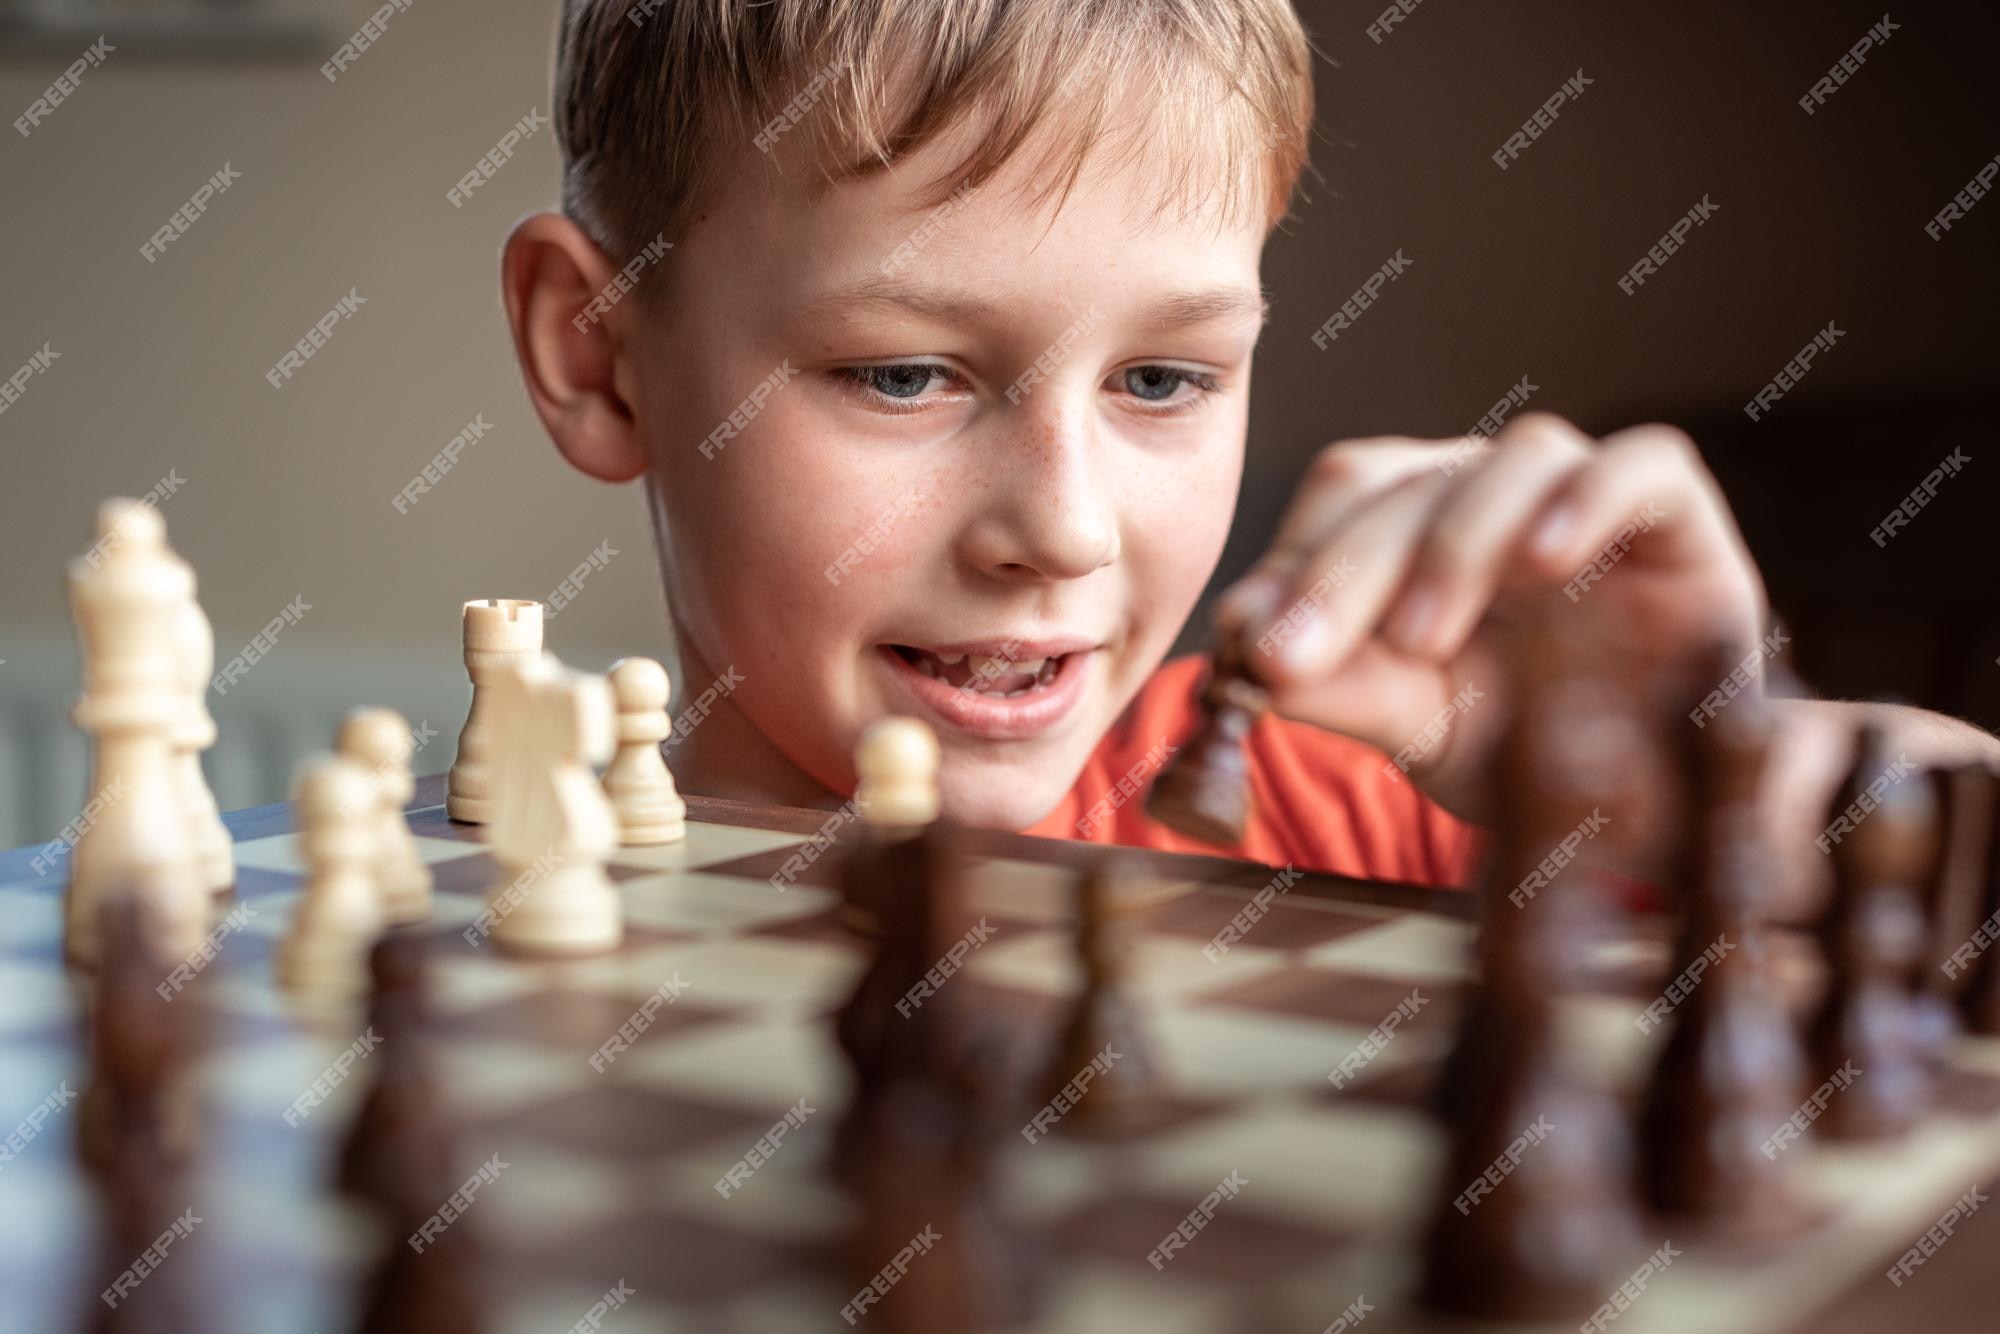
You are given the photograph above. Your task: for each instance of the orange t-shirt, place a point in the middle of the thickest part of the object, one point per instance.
(1319, 801)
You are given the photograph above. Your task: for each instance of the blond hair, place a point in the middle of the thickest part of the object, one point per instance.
(657, 101)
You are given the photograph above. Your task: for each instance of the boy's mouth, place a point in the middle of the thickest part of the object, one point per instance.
(999, 690)
(982, 674)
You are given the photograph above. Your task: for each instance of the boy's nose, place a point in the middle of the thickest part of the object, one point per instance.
(1047, 509)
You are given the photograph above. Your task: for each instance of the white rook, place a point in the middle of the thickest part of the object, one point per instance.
(500, 633)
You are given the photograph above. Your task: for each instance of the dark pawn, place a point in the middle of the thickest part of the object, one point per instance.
(923, 1175)
(1103, 1034)
(140, 1202)
(397, 1142)
(1872, 938)
(1978, 967)
(1552, 1237)
(924, 1117)
(136, 1156)
(432, 1292)
(1952, 903)
(1204, 792)
(138, 1045)
(889, 1031)
(1731, 1068)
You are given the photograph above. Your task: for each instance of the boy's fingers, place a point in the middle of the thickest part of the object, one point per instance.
(1649, 480)
(1342, 479)
(1337, 594)
(1461, 561)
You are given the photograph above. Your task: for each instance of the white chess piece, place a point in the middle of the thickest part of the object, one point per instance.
(194, 655)
(325, 949)
(641, 789)
(897, 762)
(499, 633)
(125, 593)
(379, 741)
(552, 826)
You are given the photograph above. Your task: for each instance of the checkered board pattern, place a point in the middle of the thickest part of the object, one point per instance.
(612, 1175)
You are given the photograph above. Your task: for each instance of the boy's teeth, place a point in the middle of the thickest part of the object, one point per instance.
(995, 667)
(1000, 678)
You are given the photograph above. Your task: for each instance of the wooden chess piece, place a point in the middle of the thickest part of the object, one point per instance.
(126, 593)
(1872, 937)
(132, 1114)
(397, 1157)
(552, 825)
(896, 761)
(435, 1291)
(499, 633)
(889, 1030)
(1204, 791)
(1966, 797)
(397, 1136)
(1103, 1042)
(650, 810)
(1731, 1068)
(923, 1179)
(339, 914)
(897, 764)
(378, 740)
(208, 840)
(1549, 1240)
(1974, 960)
(916, 1142)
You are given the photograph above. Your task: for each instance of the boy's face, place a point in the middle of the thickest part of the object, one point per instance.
(986, 430)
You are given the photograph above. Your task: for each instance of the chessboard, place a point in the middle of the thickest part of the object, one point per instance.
(611, 1166)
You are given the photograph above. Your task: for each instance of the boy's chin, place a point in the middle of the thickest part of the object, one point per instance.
(998, 797)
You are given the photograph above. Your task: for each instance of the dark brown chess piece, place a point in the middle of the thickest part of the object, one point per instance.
(1882, 834)
(1102, 1073)
(397, 1142)
(1534, 1218)
(918, 1136)
(142, 1204)
(896, 1026)
(138, 1047)
(432, 1291)
(1204, 791)
(1975, 959)
(128, 1131)
(1965, 797)
(1731, 1068)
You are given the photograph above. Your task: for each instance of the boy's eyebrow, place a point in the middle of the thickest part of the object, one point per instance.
(1175, 310)
(1199, 307)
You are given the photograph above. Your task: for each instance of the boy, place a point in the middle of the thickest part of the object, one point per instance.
(939, 400)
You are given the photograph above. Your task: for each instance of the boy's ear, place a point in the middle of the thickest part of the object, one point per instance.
(549, 273)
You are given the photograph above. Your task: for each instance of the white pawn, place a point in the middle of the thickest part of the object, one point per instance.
(897, 761)
(551, 824)
(133, 832)
(325, 951)
(649, 809)
(379, 741)
(194, 654)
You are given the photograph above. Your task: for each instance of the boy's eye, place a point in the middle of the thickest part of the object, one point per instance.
(1161, 384)
(901, 380)
(1153, 383)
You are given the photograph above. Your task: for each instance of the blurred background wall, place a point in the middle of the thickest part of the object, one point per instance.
(284, 494)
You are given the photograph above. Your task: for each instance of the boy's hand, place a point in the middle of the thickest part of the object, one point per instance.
(1382, 608)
